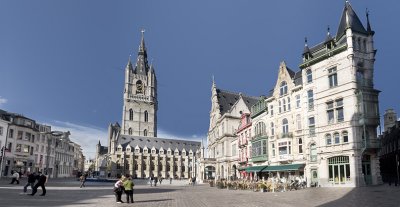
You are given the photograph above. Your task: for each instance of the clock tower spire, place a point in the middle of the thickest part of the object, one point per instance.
(139, 113)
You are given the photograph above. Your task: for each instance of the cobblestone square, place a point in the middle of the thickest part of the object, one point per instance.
(68, 193)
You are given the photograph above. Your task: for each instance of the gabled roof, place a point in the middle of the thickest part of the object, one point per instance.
(349, 19)
(227, 99)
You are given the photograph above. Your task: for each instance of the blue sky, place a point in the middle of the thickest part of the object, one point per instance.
(62, 62)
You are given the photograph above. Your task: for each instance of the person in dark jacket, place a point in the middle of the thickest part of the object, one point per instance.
(42, 180)
(31, 181)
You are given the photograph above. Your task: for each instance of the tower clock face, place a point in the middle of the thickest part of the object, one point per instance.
(139, 87)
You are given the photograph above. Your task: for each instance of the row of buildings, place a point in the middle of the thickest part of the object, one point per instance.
(30, 146)
(318, 121)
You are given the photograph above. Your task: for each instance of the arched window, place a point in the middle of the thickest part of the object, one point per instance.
(345, 136)
(328, 138)
(337, 138)
(339, 169)
(285, 126)
(145, 133)
(146, 116)
(130, 131)
(130, 114)
(139, 87)
(283, 88)
(309, 76)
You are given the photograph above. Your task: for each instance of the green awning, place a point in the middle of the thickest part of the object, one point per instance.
(255, 168)
(291, 167)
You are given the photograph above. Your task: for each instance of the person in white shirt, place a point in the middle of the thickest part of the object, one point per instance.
(15, 177)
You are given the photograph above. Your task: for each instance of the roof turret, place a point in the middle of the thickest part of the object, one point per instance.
(350, 20)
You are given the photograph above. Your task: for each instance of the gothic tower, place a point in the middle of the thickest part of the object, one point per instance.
(139, 113)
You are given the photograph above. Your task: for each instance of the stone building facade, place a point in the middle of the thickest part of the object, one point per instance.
(31, 146)
(226, 112)
(320, 121)
(133, 147)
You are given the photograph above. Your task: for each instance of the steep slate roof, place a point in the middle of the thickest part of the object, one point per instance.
(157, 143)
(291, 72)
(353, 21)
(103, 150)
(227, 99)
(298, 80)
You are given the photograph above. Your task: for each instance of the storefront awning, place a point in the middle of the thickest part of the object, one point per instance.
(291, 167)
(255, 168)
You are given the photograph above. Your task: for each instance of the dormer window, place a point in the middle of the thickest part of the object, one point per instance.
(137, 150)
(153, 151)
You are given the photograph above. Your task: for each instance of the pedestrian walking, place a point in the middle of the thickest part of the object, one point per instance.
(31, 181)
(151, 180)
(161, 180)
(170, 180)
(119, 188)
(128, 186)
(155, 181)
(83, 180)
(15, 177)
(41, 181)
(193, 181)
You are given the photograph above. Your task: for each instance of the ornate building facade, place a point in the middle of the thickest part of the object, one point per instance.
(319, 122)
(227, 109)
(133, 147)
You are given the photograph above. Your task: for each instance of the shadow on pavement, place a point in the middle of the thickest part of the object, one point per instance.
(152, 190)
(373, 196)
(158, 200)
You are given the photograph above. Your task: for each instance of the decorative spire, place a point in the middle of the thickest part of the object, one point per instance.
(142, 47)
(306, 49)
(129, 64)
(328, 35)
(369, 30)
(142, 66)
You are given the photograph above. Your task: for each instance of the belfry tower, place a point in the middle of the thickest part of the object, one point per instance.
(139, 113)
